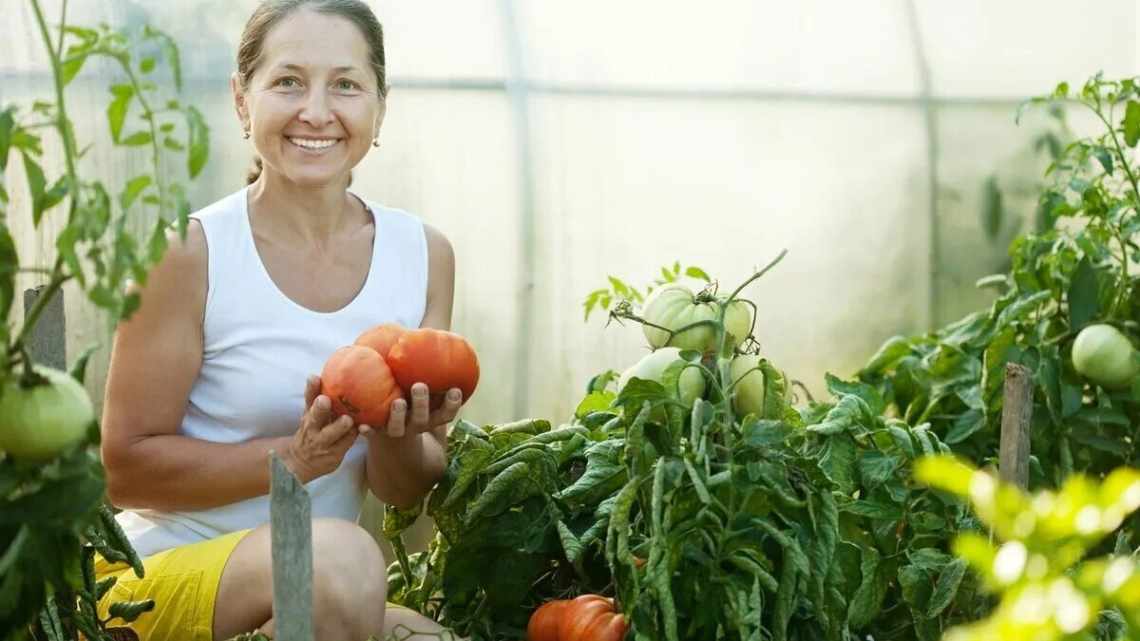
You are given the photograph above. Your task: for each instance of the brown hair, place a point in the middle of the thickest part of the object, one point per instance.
(270, 12)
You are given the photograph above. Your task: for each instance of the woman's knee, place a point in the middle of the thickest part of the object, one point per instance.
(347, 560)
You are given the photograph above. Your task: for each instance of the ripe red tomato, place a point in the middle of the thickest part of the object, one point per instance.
(381, 337)
(438, 358)
(590, 617)
(359, 383)
(543, 625)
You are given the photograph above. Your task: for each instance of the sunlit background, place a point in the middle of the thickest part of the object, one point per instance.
(558, 142)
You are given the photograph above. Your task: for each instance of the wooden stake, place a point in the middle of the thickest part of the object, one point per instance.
(1016, 415)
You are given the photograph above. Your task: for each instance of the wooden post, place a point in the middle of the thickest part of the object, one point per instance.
(291, 534)
(47, 341)
(1016, 414)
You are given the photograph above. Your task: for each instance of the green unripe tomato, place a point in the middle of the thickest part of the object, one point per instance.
(674, 306)
(39, 422)
(652, 367)
(749, 390)
(1105, 356)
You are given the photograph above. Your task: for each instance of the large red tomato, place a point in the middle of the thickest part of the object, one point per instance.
(359, 383)
(590, 617)
(543, 625)
(381, 337)
(437, 358)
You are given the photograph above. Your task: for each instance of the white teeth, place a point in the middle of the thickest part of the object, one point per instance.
(313, 144)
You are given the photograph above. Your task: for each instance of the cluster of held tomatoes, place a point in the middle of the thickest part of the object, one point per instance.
(363, 379)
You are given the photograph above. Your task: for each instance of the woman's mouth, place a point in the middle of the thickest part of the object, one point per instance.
(314, 144)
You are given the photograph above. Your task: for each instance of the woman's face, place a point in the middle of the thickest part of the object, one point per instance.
(312, 107)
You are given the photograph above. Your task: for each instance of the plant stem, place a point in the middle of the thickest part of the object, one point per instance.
(62, 123)
(57, 276)
(155, 159)
(1120, 154)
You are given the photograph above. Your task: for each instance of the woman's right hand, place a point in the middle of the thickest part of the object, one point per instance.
(322, 440)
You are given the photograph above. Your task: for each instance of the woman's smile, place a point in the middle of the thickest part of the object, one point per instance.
(314, 146)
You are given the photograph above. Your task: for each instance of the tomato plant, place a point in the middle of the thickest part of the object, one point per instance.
(53, 518)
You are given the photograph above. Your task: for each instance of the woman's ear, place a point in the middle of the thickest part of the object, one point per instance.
(239, 101)
(380, 118)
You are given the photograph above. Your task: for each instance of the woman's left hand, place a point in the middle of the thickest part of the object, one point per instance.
(420, 418)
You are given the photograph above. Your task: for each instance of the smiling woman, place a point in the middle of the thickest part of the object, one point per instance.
(234, 324)
(304, 79)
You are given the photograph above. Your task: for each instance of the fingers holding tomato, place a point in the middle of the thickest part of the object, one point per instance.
(397, 381)
(418, 416)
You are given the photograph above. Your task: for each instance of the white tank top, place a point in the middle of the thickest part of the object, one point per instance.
(260, 346)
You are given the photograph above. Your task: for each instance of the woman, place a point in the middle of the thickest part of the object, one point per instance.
(214, 369)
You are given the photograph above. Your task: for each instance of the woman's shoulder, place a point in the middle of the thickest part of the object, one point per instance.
(230, 205)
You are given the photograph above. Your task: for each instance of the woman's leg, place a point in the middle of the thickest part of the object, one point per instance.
(349, 584)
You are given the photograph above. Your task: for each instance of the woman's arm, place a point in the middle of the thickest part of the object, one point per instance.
(401, 470)
(154, 361)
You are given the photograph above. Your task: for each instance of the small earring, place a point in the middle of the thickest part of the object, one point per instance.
(245, 134)
(375, 142)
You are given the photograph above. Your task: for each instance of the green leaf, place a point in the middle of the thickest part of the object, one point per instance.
(637, 391)
(837, 461)
(78, 369)
(36, 185)
(506, 489)
(849, 413)
(73, 63)
(9, 261)
(868, 393)
(131, 610)
(133, 188)
(697, 272)
(874, 510)
(146, 65)
(868, 599)
(1132, 123)
(889, 353)
(966, 425)
(169, 53)
(117, 110)
(1084, 295)
(172, 144)
(199, 141)
(993, 211)
(994, 358)
(604, 475)
(876, 467)
(138, 139)
(1104, 158)
(7, 124)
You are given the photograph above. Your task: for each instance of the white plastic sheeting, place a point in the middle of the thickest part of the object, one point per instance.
(556, 142)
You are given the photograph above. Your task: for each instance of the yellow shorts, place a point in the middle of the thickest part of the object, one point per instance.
(183, 582)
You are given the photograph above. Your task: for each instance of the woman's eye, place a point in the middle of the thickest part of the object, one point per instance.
(345, 85)
(288, 83)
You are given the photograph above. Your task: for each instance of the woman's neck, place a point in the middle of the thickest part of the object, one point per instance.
(301, 215)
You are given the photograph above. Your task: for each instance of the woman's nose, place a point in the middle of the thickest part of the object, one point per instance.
(316, 112)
